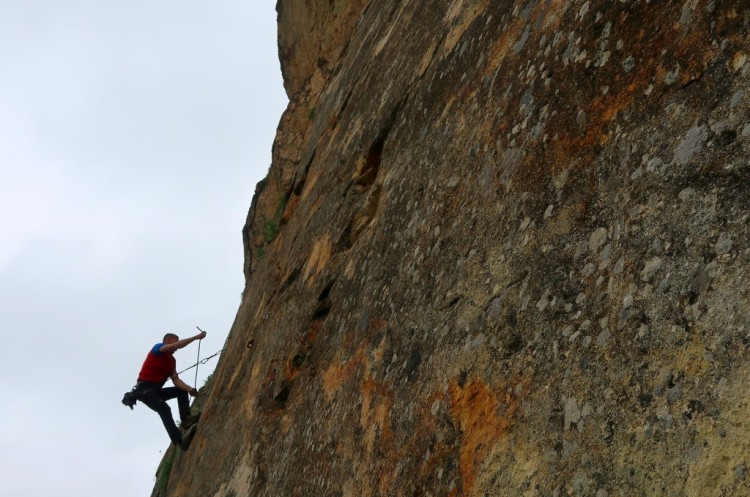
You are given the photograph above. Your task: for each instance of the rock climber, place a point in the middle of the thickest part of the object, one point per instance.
(159, 366)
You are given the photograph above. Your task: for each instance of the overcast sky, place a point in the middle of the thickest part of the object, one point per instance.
(132, 135)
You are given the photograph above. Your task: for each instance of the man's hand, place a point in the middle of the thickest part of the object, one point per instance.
(183, 386)
(200, 336)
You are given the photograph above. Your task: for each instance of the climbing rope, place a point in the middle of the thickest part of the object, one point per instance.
(202, 361)
(198, 360)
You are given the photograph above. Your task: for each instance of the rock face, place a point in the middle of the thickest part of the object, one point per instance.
(503, 249)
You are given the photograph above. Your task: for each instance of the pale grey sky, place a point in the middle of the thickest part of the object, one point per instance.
(132, 135)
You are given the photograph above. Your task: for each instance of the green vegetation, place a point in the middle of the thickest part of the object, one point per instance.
(273, 225)
(270, 230)
(311, 113)
(164, 469)
(208, 378)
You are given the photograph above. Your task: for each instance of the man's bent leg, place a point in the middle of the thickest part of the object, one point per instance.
(153, 398)
(183, 400)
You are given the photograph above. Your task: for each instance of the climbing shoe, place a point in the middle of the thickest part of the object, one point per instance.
(188, 437)
(189, 421)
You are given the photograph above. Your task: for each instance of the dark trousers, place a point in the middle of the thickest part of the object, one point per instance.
(155, 396)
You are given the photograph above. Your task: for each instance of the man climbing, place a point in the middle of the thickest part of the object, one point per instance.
(159, 366)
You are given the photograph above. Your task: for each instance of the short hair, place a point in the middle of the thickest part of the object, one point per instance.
(169, 335)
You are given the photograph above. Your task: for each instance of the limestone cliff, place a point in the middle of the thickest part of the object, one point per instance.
(502, 249)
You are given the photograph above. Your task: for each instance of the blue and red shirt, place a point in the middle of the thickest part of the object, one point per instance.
(158, 366)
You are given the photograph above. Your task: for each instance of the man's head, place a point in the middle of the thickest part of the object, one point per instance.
(170, 338)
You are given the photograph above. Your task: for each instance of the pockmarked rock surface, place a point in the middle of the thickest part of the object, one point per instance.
(502, 249)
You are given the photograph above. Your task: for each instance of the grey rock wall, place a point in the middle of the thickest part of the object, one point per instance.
(509, 256)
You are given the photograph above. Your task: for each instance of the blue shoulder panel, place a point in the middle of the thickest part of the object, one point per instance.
(156, 348)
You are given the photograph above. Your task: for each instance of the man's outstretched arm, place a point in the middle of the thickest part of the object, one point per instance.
(171, 347)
